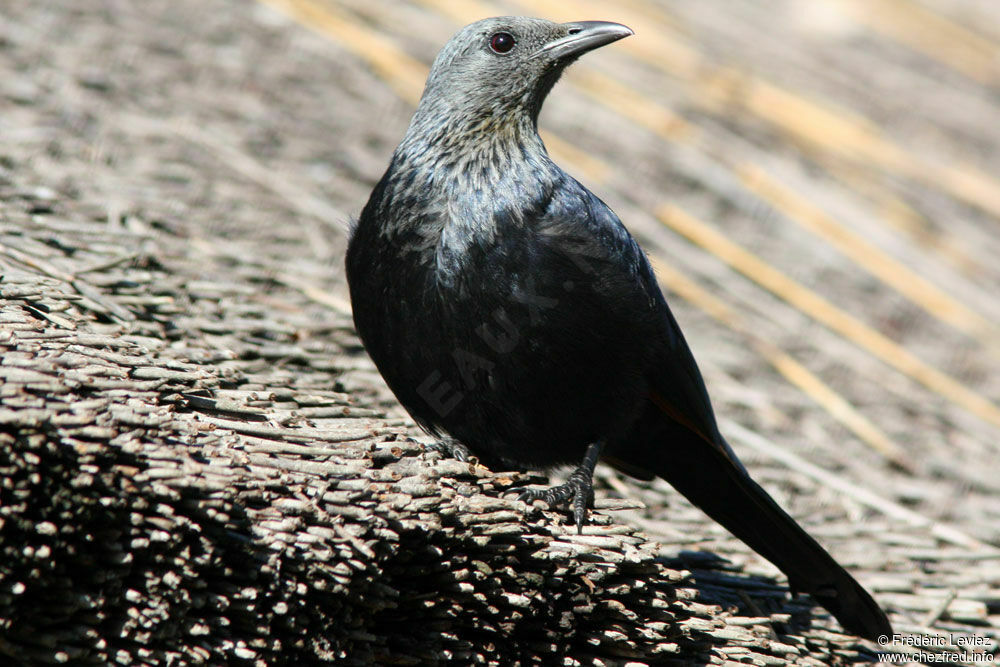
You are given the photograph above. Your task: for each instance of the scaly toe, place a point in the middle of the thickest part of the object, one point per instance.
(451, 448)
(578, 495)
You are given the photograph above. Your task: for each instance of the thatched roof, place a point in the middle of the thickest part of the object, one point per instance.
(199, 464)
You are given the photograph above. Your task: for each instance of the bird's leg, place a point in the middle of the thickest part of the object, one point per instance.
(579, 487)
(450, 447)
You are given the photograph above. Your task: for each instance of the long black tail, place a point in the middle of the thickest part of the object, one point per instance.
(710, 479)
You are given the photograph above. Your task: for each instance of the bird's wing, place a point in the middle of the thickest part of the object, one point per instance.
(676, 389)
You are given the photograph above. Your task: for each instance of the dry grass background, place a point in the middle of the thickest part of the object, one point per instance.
(816, 183)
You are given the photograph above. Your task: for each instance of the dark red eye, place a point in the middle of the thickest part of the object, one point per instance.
(502, 42)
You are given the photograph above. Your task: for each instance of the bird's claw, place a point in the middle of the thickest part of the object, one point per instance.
(451, 448)
(579, 488)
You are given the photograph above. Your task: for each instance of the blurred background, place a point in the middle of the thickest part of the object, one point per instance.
(817, 184)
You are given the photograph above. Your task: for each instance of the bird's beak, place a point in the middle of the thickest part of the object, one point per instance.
(584, 36)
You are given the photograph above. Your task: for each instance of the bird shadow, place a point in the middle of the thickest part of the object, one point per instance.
(743, 596)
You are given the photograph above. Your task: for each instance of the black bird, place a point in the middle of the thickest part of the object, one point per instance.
(513, 315)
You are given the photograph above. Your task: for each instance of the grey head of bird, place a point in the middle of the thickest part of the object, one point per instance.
(494, 74)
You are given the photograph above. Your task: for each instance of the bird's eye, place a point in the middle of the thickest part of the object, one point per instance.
(502, 42)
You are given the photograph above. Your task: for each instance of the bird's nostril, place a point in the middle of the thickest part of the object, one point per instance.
(575, 31)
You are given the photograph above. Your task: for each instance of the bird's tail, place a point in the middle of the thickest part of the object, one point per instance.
(711, 479)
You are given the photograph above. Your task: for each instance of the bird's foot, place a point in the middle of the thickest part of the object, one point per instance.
(579, 487)
(451, 448)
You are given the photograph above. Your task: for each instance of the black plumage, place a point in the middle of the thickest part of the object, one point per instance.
(512, 313)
